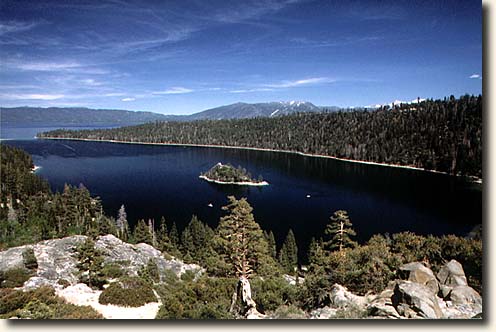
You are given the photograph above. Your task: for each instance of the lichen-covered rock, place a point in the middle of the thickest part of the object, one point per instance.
(452, 274)
(418, 273)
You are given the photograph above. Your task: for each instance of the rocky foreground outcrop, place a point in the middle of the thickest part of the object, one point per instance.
(57, 259)
(419, 294)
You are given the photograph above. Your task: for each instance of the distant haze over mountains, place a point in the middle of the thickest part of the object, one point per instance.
(58, 116)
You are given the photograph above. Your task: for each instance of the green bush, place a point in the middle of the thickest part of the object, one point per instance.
(273, 292)
(29, 259)
(288, 312)
(188, 275)
(14, 277)
(206, 298)
(128, 292)
(112, 270)
(41, 303)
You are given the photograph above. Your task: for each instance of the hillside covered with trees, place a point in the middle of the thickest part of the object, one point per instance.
(441, 135)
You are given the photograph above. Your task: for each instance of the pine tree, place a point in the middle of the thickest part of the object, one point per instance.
(174, 236)
(242, 241)
(90, 264)
(142, 233)
(288, 255)
(272, 243)
(316, 256)
(151, 229)
(340, 231)
(163, 241)
(122, 224)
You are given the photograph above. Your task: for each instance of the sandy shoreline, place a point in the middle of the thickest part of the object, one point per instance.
(472, 178)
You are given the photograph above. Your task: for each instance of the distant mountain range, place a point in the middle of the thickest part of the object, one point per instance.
(71, 117)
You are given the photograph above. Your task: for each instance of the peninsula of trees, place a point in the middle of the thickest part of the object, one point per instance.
(228, 174)
(440, 135)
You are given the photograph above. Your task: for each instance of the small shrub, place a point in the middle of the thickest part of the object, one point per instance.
(288, 312)
(188, 275)
(63, 282)
(14, 277)
(129, 292)
(149, 272)
(170, 277)
(71, 311)
(351, 312)
(112, 270)
(273, 292)
(29, 259)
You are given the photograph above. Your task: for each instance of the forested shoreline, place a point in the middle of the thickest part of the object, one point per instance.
(439, 135)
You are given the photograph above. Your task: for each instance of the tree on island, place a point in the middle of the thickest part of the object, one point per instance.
(340, 231)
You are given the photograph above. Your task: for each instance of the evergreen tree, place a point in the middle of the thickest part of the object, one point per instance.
(272, 243)
(174, 236)
(122, 224)
(151, 229)
(163, 242)
(316, 256)
(90, 264)
(340, 231)
(142, 233)
(288, 255)
(242, 241)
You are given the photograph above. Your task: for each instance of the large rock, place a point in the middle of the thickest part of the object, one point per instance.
(413, 300)
(57, 261)
(137, 256)
(420, 274)
(452, 274)
(465, 295)
(341, 297)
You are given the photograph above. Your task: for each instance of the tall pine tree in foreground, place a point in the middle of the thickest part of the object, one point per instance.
(243, 244)
(340, 230)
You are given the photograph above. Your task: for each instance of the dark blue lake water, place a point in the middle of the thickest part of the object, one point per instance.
(155, 181)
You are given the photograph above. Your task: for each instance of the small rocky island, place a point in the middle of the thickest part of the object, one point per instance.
(228, 174)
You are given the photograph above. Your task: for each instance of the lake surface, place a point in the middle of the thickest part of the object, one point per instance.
(155, 181)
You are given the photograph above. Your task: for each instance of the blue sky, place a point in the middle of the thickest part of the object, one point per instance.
(181, 57)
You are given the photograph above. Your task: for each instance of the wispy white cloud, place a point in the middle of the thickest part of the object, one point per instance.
(251, 90)
(114, 94)
(306, 81)
(173, 91)
(55, 66)
(475, 76)
(128, 99)
(33, 96)
(15, 26)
